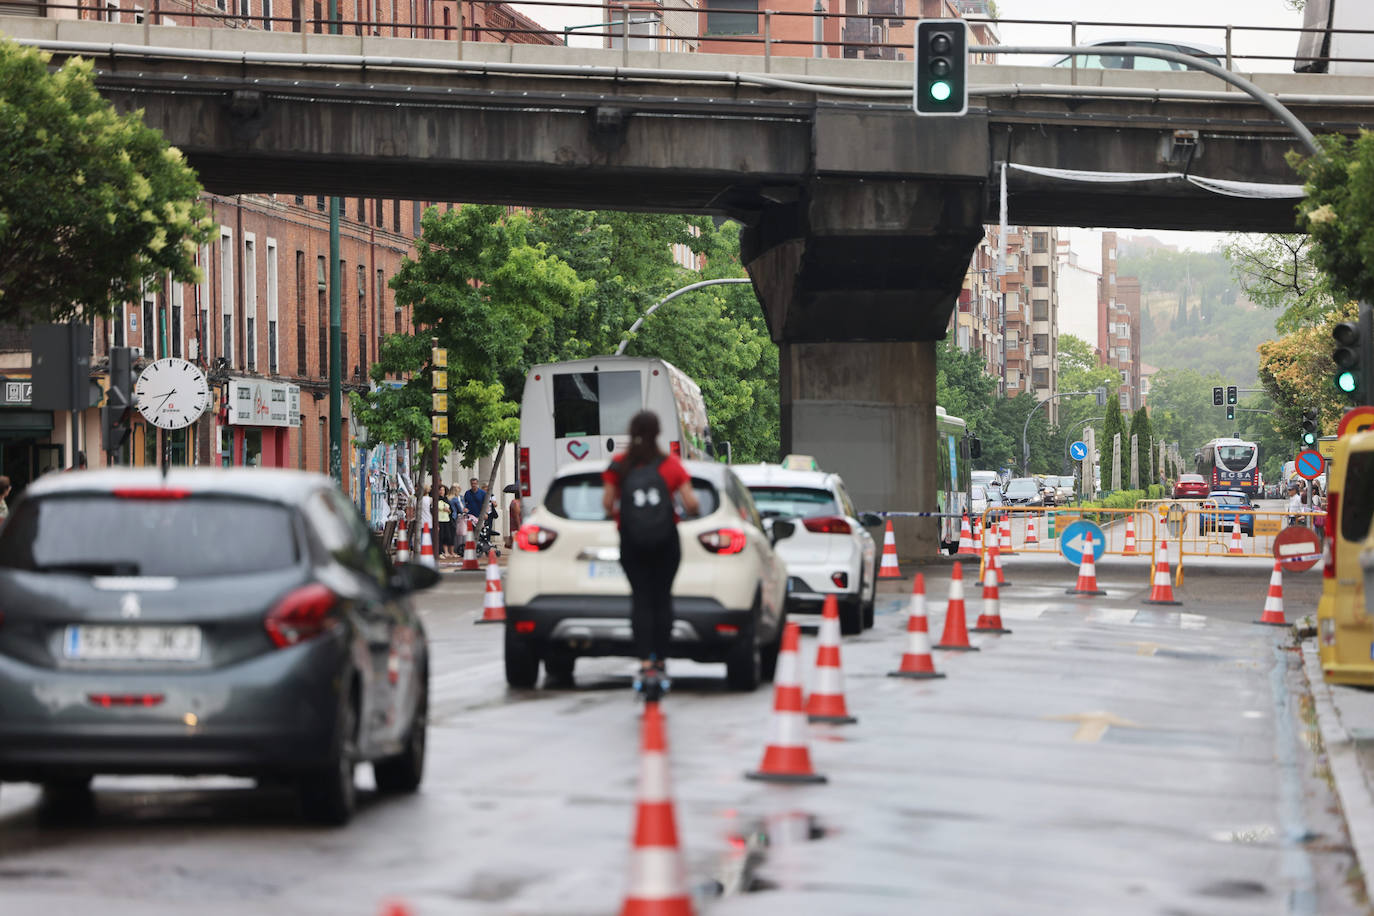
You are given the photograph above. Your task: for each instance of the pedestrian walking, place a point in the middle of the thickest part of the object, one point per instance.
(515, 515)
(475, 500)
(1295, 505)
(639, 488)
(446, 526)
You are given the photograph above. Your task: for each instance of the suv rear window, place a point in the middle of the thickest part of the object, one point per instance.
(793, 502)
(1357, 500)
(578, 497)
(105, 535)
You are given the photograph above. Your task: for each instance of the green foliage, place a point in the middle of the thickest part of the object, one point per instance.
(1335, 212)
(1111, 425)
(1277, 272)
(1181, 409)
(1079, 371)
(94, 205)
(1140, 428)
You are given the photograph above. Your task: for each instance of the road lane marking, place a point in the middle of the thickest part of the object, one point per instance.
(1093, 725)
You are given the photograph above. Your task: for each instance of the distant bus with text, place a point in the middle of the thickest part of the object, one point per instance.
(1230, 464)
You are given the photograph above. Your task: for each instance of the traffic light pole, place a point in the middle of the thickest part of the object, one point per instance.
(1366, 352)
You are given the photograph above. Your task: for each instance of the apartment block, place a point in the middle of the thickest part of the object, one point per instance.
(1118, 334)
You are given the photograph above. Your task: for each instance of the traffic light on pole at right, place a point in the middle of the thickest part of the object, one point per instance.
(1230, 412)
(941, 67)
(1348, 357)
(1217, 396)
(1309, 427)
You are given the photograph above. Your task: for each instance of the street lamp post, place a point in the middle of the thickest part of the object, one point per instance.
(625, 342)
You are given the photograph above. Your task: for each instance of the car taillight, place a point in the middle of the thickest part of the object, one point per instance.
(531, 537)
(303, 614)
(841, 579)
(723, 540)
(826, 524)
(524, 472)
(150, 493)
(1333, 513)
(108, 700)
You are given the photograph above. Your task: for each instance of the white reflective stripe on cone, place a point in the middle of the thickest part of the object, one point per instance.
(656, 872)
(829, 681)
(788, 673)
(653, 777)
(788, 729)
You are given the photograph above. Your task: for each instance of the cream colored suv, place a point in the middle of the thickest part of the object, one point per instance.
(567, 596)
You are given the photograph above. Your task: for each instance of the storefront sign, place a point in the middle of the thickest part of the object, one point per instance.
(258, 402)
(16, 392)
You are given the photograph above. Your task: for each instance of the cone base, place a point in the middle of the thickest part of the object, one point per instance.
(1003, 583)
(489, 620)
(1130, 552)
(1161, 601)
(889, 575)
(797, 778)
(1273, 623)
(983, 629)
(832, 720)
(957, 648)
(1075, 591)
(671, 906)
(916, 675)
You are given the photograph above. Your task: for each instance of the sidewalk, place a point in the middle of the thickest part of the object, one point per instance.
(1345, 717)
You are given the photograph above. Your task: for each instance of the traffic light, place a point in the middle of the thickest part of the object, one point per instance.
(1230, 412)
(941, 67)
(1309, 427)
(1216, 397)
(119, 399)
(1231, 394)
(1346, 356)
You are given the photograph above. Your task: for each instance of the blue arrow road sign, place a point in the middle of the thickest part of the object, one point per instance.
(1075, 538)
(1079, 450)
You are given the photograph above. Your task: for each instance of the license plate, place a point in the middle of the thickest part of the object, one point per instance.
(605, 569)
(122, 643)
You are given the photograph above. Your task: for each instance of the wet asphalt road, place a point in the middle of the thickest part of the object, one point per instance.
(1105, 757)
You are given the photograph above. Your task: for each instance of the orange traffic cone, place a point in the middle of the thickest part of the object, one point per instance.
(990, 621)
(955, 636)
(427, 548)
(1087, 572)
(494, 601)
(469, 547)
(826, 703)
(1032, 537)
(402, 543)
(889, 568)
(1273, 604)
(1129, 550)
(395, 908)
(786, 758)
(978, 537)
(1004, 538)
(966, 539)
(658, 879)
(916, 661)
(1162, 589)
(1235, 535)
(995, 561)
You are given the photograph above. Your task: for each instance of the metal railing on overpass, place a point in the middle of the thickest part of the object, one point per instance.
(765, 33)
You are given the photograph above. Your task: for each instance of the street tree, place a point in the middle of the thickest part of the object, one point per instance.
(1278, 272)
(94, 205)
(1079, 370)
(1335, 212)
(1296, 371)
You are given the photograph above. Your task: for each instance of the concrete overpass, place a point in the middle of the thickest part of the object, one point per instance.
(861, 217)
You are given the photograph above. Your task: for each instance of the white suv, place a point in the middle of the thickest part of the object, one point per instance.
(567, 595)
(829, 552)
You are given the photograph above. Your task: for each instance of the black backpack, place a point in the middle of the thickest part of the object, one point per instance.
(646, 506)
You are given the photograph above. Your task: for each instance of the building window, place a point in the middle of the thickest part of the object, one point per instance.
(1040, 309)
(381, 313)
(396, 215)
(324, 448)
(1013, 339)
(362, 320)
(1040, 344)
(1040, 242)
(250, 303)
(732, 17)
(267, 14)
(319, 201)
(177, 293)
(226, 294)
(377, 211)
(1040, 276)
(203, 303)
(963, 338)
(418, 212)
(272, 342)
(300, 314)
(301, 448)
(1125, 377)
(322, 311)
(1040, 378)
(1123, 354)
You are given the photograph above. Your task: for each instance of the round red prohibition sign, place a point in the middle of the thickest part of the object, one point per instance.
(1297, 548)
(1309, 464)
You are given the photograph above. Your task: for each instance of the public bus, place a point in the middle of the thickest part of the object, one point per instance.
(579, 410)
(1230, 464)
(953, 480)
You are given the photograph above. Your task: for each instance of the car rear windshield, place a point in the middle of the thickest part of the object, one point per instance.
(109, 536)
(1023, 486)
(595, 403)
(1357, 500)
(578, 497)
(794, 502)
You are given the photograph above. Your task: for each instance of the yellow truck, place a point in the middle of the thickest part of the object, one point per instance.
(1345, 631)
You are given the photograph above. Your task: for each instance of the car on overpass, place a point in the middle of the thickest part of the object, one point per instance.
(567, 595)
(1107, 55)
(830, 551)
(240, 622)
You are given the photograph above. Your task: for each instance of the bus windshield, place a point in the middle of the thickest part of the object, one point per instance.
(1235, 457)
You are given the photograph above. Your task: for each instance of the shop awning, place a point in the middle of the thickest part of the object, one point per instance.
(21, 424)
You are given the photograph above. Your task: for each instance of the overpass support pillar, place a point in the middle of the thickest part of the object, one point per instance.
(867, 411)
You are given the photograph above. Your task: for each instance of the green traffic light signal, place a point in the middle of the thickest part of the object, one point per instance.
(940, 91)
(1309, 439)
(1346, 381)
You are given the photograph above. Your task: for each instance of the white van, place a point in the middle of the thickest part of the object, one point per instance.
(579, 411)
(1332, 47)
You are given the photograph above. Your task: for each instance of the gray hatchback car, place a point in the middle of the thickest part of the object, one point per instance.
(239, 622)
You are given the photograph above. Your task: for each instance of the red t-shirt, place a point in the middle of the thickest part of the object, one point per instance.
(674, 474)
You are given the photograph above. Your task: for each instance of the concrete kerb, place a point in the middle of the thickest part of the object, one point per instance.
(1351, 784)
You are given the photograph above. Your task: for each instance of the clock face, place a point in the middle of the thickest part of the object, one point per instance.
(171, 393)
